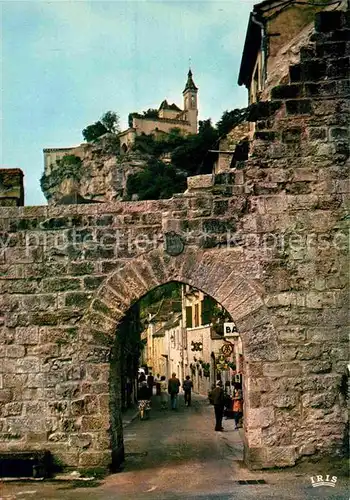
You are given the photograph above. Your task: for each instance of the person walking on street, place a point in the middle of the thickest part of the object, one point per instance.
(187, 387)
(150, 382)
(218, 398)
(163, 393)
(143, 397)
(157, 380)
(237, 403)
(173, 390)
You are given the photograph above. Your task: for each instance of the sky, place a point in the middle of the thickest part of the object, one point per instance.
(65, 63)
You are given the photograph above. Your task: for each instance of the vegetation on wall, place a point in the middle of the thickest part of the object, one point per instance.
(156, 181)
(172, 157)
(231, 119)
(193, 156)
(109, 122)
(165, 299)
(68, 167)
(189, 155)
(150, 113)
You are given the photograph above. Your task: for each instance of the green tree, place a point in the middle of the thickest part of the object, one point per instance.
(229, 120)
(150, 113)
(156, 181)
(192, 156)
(109, 122)
(92, 132)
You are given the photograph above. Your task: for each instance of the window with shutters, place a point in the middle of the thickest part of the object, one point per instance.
(196, 315)
(189, 316)
(208, 305)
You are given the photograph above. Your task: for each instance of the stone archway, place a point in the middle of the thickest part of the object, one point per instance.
(219, 274)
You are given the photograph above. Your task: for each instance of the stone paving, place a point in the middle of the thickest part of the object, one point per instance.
(178, 455)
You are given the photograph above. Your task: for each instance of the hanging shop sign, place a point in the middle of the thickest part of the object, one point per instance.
(196, 346)
(230, 330)
(227, 350)
(221, 364)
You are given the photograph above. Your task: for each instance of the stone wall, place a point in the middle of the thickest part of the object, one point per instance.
(268, 241)
(11, 187)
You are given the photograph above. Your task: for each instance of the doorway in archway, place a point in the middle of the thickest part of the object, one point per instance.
(174, 328)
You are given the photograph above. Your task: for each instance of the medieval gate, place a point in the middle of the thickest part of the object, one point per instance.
(267, 240)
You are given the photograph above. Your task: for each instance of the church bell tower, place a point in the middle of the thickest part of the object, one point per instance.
(190, 102)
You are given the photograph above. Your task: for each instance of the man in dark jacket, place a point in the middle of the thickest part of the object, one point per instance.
(173, 389)
(150, 382)
(187, 387)
(218, 398)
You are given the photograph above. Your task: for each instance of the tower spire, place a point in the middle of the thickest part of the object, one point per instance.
(190, 83)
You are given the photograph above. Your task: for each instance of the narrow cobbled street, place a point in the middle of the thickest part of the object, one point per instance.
(177, 455)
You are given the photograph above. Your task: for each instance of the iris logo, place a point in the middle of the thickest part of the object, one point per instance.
(327, 481)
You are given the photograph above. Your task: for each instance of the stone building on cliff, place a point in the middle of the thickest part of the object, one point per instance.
(103, 172)
(170, 116)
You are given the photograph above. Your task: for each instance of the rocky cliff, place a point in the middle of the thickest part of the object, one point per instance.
(101, 175)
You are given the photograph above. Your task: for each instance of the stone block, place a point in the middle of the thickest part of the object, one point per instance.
(258, 418)
(287, 369)
(58, 437)
(93, 282)
(253, 438)
(292, 91)
(67, 390)
(302, 201)
(6, 396)
(27, 365)
(288, 400)
(323, 400)
(80, 441)
(94, 423)
(299, 107)
(338, 68)
(317, 133)
(275, 204)
(295, 73)
(27, 335)
(46, 350)
(287, 352)
(199, 182)
(67, 459)
(36, 437)
(326, 22)
(313, 70)
(317, 366)
(318, 300)
(82, 268)
(15, 351)
(280, 456)
(309, 351)
(77, 299)
(325, 107)
(95, 459)
(292, 334)
(255, 457)
(307, 449)
(319, 383)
